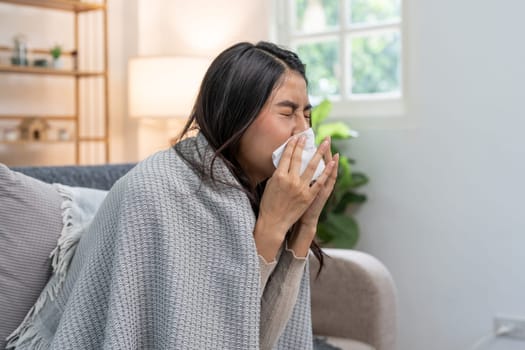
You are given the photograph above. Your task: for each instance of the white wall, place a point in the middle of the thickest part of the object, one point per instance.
(199, 27)
(445, 209)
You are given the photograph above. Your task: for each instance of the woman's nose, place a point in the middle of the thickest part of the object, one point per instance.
(302, 124)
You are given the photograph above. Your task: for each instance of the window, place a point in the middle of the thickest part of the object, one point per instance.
(352, 50)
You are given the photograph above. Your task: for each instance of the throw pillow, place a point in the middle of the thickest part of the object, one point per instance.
(33, 216)
(30, 223)
(79, 206)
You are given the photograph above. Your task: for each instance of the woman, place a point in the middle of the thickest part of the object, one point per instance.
(204, 246)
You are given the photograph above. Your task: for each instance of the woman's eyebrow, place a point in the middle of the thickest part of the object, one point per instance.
(292, 105)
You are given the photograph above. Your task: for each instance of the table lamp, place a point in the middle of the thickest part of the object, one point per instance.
(164, 86)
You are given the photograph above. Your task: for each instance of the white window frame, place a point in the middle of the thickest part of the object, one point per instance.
(357, 105)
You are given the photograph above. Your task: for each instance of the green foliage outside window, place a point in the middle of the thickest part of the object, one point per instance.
(375, 64)
(321, 63)
(373, 11)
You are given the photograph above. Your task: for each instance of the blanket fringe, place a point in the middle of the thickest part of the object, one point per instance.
(29, 339)
(61, 256)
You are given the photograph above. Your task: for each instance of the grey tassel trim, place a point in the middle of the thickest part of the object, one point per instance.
(61, 256)
(29, 338)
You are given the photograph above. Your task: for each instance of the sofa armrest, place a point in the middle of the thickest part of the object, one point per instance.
(354, 297)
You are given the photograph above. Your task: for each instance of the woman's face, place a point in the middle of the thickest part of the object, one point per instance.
(286, 113)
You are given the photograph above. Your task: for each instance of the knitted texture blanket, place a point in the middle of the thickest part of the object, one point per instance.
(168, 262)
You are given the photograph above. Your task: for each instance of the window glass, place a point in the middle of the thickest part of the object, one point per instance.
(375, 63)
(374, 11)
(316, 15)
(322, 66)
(351, 48)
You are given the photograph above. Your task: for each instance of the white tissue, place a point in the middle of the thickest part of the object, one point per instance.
(308, 153)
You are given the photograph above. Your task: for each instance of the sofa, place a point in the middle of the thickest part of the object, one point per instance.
(353, 299)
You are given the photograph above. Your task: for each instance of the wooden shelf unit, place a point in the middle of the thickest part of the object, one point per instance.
(49, 71)
(23, 142)
(38, 51)
(75, 7)
(65, 5)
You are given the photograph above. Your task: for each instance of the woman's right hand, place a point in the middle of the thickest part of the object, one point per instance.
(287, 196)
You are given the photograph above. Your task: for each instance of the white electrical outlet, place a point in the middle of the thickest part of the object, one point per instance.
(510, 326)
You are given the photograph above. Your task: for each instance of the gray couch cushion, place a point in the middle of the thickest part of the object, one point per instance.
(101, 177)
(30, 223)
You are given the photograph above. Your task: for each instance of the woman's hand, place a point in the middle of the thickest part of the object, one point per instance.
(311, 216)
(289, 195)
(307, 226)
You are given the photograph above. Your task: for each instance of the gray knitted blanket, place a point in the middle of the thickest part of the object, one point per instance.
(169, 262)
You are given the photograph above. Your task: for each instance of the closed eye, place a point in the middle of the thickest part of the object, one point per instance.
(287, 112)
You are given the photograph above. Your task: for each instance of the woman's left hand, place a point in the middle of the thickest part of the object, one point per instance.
(307, 224)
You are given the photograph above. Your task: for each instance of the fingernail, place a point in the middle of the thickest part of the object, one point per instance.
(302, 139)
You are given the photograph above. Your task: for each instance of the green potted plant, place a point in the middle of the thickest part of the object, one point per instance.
(337, 226)
(56, 52)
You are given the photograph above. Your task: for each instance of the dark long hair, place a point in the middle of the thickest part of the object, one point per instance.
(233, 92)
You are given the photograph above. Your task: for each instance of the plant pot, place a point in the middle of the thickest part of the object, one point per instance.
(57, 63)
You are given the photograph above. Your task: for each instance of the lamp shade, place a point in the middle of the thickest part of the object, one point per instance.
(161, 87)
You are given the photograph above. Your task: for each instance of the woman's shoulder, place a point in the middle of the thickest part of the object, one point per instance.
(162, 171)
(188, 167)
